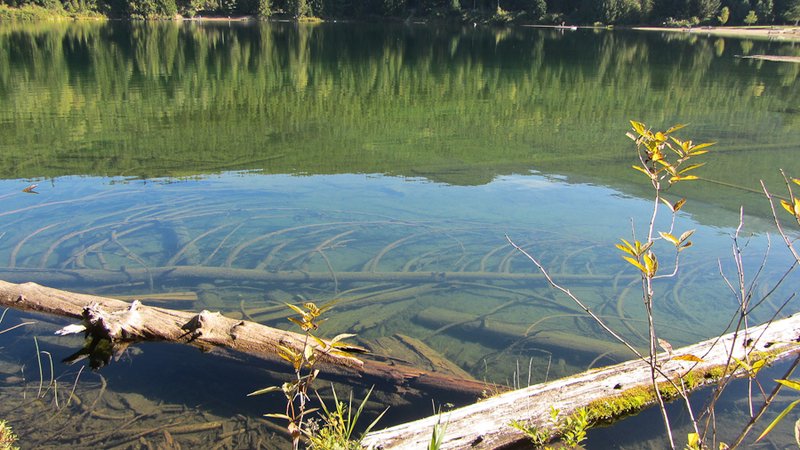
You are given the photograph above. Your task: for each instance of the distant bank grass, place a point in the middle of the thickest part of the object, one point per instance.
(30, 13)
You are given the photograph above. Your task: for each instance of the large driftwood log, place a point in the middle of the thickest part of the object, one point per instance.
(125, 323)
(485, 425)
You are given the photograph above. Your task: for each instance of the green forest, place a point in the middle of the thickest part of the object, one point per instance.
(606, 12)
(418, 101)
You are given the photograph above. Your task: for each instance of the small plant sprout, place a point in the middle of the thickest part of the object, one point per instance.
(571, 429)
(439, 429)
(304, 364)
(336, 431)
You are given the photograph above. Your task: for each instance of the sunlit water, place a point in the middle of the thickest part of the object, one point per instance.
(357, 156)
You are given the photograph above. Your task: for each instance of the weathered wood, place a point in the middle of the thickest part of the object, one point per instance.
(125, 323)
(485, 425)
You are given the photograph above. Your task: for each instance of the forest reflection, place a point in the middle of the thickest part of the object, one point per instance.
(458, 105)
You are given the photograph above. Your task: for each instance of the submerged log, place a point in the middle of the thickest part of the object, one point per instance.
(164, 274)
(125, 323)
(560, 341)
(607, 392)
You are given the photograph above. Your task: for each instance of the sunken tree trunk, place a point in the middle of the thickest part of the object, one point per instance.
(124, 323)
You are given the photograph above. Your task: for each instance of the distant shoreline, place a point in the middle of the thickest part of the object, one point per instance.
(775, 32)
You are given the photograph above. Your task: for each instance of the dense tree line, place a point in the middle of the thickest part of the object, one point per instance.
(671, 12)
(455, 106)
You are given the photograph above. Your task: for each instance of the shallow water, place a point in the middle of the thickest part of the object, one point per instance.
(357, 156)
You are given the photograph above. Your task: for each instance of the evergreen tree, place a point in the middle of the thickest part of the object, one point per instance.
(669, 8)
(704, 9)
(792, 11)
(739, 10)
(537, 9)
(264, 9)
(764, 10)
(724, 15)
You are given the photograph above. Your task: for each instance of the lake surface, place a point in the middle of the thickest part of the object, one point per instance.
(357, 155)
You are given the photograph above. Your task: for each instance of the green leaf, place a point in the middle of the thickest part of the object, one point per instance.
(339, 337)
(319, 341)
(790, 384)
(683, 178)
(698, 149)
(635, 263)
(278, 416)
(646, 172)
(691, 358)
(780, 417)
(686, 235)
(638, 127)
(266, 390)
(296, 322)
(650, 263)
(670, 238)
(287, 353)
(625, 249)
(691, 167)
(692, 440)
(675, 127)
(296, 309)
(630, 248)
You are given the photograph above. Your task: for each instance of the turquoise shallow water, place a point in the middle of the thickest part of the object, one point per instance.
(223, 149)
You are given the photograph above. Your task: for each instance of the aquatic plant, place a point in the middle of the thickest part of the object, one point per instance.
(305, 372)
(338, 425)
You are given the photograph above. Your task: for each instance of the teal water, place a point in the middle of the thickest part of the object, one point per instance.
(353, 153)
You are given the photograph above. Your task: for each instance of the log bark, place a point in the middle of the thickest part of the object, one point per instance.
(124, 323)
(485, 425)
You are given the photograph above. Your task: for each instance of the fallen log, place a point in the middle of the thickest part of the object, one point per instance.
(125, 323)
(607, 392)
